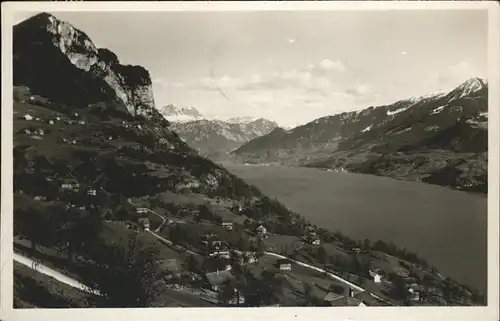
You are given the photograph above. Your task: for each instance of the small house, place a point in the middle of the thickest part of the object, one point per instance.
(285, 265)
(27, 131)
(218, 278)
(144, 223)
(228, 225)
(28, 117)
(70, 184)
(349, 299)
(216, 245)
(81, 122)
(377, 278)
(51, 122)
(91, 192)
(314, 240)
(141, 210)
(414, 290)
(221, 254)
(310, 230)
(261, 230)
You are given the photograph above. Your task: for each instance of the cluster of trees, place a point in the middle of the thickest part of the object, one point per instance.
(131, 179)
(204, 213)
(124, 274)
(54, 225)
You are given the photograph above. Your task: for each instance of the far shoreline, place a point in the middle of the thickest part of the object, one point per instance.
(229, 164)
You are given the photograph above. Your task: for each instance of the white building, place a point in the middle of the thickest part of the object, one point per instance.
(261, 230)
(377, 278)
(228, 225)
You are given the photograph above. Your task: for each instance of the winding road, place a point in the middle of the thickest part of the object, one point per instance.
(334, 276)
(39, 267)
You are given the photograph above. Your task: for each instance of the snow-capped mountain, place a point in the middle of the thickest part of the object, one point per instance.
(467, 88)
(244, 119)
(180, 115)
(441, 131)
(212, 137)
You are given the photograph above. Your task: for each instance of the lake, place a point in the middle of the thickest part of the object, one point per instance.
(447, 228)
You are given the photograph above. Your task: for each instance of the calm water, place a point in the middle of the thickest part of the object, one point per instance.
(448, 228)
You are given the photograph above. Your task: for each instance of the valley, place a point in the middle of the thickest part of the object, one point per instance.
(118, 207)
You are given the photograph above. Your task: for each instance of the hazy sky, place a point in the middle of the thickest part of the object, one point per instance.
(293, 67)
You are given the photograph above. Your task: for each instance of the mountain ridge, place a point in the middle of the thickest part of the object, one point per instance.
(214, 138)
(358, 140)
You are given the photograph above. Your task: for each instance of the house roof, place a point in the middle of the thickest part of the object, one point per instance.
(415, 287)
(346, 302)
(374, 273)
(284, 261)
(219, 278)
(331, 296)
(343, 300)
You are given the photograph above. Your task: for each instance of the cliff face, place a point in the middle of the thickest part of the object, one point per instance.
(61, 63)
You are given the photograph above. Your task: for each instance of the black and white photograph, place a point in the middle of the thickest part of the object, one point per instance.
(250, 159)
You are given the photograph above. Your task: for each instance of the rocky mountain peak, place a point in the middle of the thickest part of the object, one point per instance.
(467, 88)
(180, 115)
(45, 46)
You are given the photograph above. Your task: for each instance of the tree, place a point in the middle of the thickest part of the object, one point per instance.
(193, 265)
(37, 223)
(322, 255)
(308, 294)
(260, 248)
(126, 275)
(261, 291)
(360, 280)
(355, 264)
(366, 245)
(399, 291)
(227, 292)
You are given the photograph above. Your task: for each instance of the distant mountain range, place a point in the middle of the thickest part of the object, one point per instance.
(439, 139)
(214, 138)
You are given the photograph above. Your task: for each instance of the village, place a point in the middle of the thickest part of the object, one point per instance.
(209, 245)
